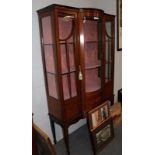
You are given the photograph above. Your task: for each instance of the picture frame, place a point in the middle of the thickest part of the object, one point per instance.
(98, 115)
(119, 25)
(102, 135)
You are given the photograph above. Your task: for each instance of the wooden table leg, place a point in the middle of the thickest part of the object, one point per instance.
(66, 138)
(53, 129)
(65, 134)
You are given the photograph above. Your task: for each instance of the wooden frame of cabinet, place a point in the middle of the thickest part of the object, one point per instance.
(74, 68)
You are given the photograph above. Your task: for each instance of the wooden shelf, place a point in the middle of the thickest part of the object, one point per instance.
(90, 89)
(48, 44)
(63, 42)
(92, 67)
(64, 73)
(51, 73)
(89, 42)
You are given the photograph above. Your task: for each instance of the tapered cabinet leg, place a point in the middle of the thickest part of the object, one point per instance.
(53, 129)
(66, 139)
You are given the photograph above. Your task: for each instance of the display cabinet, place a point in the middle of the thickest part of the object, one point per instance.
(78, 60)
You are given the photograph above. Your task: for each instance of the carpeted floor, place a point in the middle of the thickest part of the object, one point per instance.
(80, 143)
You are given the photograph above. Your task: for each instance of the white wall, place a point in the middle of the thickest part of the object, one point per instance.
(39, 102)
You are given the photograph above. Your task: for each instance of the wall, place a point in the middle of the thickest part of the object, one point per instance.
(39, 102)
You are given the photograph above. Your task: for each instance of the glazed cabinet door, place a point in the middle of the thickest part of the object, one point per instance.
(68, 62)
(109, 56)
(91, 54)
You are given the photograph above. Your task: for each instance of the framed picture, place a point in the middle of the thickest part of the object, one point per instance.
(102, 135)
(98, 115)
(119, 25)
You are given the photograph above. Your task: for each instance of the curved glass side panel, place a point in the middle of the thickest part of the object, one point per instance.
(48, 49)
(108, 52)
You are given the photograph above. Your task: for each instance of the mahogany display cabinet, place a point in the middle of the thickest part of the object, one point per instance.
(78, 60)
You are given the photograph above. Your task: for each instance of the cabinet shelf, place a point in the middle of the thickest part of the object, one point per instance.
(48, 44)
(90, 89)
(64, 73)
(89, 42)
(65, 42)
(92, 67)
(52, 73)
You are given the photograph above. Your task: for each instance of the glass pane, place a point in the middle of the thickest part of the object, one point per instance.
(93, 81)
(67, 52)
(71, 57)
(91, 55)
(65, 28)
(108, 52)
(47, 30)
(110, 71)
(108, 29)
(103, 135)
(49, 58)
(52, 88)
(69, 85)
(64, 67)
(67, 57)
(73, 85)
(65, 82)
(108, 75)
(90, 30)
